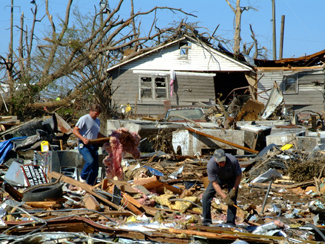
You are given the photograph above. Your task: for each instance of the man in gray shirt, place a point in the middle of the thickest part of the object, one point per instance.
(86, 129)
(223, 169)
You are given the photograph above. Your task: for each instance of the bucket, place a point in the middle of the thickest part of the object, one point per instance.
(205, 180)
(45, 146)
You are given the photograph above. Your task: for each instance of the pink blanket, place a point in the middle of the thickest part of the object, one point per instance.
(121, 141)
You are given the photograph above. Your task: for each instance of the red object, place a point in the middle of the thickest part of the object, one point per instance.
(121, 141)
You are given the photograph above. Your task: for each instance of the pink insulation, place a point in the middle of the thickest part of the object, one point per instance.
(121, 141)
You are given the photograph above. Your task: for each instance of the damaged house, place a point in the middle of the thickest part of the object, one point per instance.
(301, 81)
(183, 72)
(156, 197)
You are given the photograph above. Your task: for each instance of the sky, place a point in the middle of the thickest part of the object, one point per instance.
(303, 31)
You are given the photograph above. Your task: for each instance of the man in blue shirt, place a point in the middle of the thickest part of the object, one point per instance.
(223, 169)
(86, 129)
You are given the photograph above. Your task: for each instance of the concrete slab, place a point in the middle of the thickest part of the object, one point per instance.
(255, 135)
(190, 143)
(263, 122)
(316, 134)
(283, 138)
(308, 143)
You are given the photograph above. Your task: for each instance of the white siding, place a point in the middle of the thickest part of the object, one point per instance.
(309, 97)
(198, 59)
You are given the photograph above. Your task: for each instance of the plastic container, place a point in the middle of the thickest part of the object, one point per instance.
(45, 147)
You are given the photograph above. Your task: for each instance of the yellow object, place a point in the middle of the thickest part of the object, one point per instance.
(128, 108)
(45, 147)
(286, 147)
(131, 219)
(181, 205)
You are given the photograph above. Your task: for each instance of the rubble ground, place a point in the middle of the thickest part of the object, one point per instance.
(156, 197)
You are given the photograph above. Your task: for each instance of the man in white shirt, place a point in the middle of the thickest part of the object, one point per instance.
(86, 129)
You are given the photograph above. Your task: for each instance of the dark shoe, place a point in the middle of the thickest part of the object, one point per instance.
(206, 224)
(229, 225)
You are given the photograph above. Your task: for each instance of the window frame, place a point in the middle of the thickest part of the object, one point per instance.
(153, 87)
(184, 48)
(286, 87)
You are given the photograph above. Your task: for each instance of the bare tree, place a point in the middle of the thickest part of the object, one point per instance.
(238, 10)
(259, 52)
(77, 55)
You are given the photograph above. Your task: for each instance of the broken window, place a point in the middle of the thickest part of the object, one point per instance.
(184, 48)
(160, 87)
(153, 87)
(290, 84)
(145, 87)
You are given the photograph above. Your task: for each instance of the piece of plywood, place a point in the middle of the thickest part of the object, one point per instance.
(250, 111)
(91, 202)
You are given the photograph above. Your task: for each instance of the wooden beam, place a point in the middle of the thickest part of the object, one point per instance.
(99, 141)
(131, 200)
(154, 183)
(42, 204)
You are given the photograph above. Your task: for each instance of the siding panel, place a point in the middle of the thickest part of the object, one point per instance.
(310, 88)
(188, 90)
(198, 59)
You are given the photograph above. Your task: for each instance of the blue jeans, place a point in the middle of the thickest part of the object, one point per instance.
(208, 196)
(90, 169)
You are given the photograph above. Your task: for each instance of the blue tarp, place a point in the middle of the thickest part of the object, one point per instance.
(5, 148)
(154, 171)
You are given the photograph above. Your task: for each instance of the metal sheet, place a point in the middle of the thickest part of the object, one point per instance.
(274, 101)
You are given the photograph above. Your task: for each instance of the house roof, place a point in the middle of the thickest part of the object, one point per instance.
(316, 59)
(185, 37)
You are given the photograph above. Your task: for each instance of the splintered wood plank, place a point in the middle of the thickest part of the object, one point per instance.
(143, 181)
(154, 183)
(132, 200)
(85, 186)
(169, 187)
(128, 189)
(91, 202)
(42, 204)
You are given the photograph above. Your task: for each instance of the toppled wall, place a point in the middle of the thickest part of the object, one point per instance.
(191, 143)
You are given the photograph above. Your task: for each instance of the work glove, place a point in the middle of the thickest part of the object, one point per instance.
(232, 193)
(228, 201)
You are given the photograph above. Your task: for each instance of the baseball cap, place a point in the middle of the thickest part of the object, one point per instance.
(219, 155)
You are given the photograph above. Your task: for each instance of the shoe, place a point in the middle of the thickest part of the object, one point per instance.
(229, 225)
(82, 180)
(206, 224)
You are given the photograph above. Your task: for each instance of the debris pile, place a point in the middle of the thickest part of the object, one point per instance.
(157, 196)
